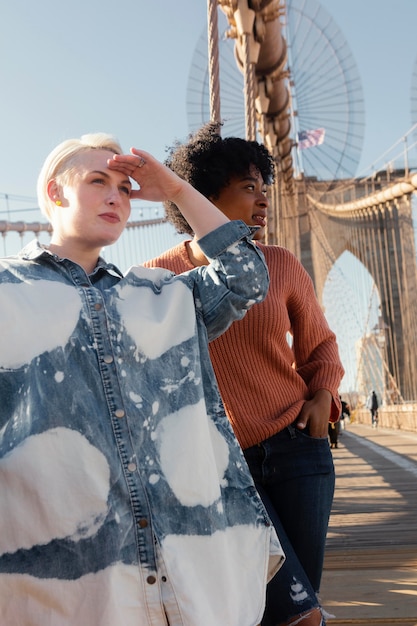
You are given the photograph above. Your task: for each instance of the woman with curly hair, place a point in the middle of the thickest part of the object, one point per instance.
(278, 370)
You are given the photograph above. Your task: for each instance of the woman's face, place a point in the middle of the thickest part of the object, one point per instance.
(95, 204)
(245, 199)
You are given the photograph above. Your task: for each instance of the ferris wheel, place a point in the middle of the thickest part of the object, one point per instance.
(327, 99)
(327, 91)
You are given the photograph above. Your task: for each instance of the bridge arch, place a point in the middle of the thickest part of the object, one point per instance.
(351, 302)
(378, 230)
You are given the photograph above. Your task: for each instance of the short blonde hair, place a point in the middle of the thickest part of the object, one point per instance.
(60, 163)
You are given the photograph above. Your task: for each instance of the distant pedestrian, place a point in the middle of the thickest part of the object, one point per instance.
(345, 415)
(372, 405)
(334, 429)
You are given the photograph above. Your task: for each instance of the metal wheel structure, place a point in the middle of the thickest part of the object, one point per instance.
(326, 91)
(325, 87)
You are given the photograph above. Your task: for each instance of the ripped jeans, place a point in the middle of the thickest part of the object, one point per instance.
(294, 474)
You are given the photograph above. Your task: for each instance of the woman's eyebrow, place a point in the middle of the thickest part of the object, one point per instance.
(126, 181)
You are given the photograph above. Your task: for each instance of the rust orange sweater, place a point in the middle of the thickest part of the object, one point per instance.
(264, 380)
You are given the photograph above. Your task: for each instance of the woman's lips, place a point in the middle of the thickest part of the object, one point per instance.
(259, 220)
(113, 218)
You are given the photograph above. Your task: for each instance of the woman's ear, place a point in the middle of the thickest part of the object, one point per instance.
(54, 192)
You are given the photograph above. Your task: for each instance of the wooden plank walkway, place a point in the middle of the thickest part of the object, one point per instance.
(370, 575)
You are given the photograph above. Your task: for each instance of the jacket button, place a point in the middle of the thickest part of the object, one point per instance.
(119, 413)
(151, 580)
(131, 467)
(143, 523)
(108, 358)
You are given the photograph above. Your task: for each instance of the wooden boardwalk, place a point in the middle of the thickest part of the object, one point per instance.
(370, 575)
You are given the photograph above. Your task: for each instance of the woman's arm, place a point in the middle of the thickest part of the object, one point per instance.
(236, 277)
(317, 359)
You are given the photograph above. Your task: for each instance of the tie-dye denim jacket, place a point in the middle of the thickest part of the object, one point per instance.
(117, 462)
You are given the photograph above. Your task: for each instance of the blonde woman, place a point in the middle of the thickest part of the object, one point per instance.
(125, 496)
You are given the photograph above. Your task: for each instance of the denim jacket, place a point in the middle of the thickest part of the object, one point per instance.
(120, 474)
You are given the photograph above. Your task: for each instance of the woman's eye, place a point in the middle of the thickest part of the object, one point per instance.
(99, 181)
(125, 190)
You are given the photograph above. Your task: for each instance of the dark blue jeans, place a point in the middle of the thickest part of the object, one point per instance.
(294, 474)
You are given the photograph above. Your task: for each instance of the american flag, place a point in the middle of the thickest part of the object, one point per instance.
(310, 138)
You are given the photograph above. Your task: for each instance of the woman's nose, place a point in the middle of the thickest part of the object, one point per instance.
(114, 196)
(262, 199)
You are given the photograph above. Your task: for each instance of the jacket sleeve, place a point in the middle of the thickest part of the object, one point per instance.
(235, 279)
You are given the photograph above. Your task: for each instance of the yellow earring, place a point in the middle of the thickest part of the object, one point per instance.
(58, 202)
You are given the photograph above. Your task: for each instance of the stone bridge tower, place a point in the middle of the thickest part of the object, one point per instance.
(377, 229)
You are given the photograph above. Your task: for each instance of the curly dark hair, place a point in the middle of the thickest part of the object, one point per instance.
(208, 162)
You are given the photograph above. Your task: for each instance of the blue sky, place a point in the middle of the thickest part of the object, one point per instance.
(68, 69)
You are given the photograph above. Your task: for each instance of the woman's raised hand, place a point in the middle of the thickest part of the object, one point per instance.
(156, 181)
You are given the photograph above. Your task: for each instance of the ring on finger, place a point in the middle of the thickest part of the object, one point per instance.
(141, 162)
